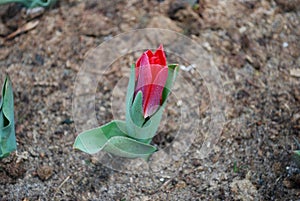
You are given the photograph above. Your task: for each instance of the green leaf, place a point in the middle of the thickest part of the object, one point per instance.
(296, 157)
(112, 138)
(7, 129)
(137, 110)
(92, 141)
(147, 130)
(172, 74)
(128, 147)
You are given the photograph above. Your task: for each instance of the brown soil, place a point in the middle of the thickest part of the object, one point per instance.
(255, 45)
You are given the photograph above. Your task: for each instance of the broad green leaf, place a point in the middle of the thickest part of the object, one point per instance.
(91, 141)
(148, 129)
(128, 147)
(112, 138)
(7, 129)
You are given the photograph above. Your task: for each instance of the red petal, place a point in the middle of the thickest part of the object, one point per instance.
(155, 93)
(160, 57)
(155, 69)
(149, 53)
(151, 75)
(144, 78)
(158, 61)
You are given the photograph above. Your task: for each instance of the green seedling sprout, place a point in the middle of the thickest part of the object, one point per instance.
(296, 153)
(7, 127)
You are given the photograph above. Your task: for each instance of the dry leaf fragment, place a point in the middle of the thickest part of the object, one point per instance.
(26, 27)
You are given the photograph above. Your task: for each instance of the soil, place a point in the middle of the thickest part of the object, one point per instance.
(256, 48)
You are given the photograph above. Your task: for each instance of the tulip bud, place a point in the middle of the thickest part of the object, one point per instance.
(151, 76)
(149, 86)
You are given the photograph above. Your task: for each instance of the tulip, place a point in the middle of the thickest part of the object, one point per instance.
(151, 76)
(149, 86)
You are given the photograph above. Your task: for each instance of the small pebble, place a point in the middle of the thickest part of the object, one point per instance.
(179, 103)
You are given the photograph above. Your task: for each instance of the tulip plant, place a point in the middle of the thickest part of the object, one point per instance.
(149, 86)
(7, 129)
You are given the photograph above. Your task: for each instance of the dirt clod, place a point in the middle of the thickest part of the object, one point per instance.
(44, 172)
(244, 190)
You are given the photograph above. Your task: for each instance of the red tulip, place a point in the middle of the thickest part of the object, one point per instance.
(151, 75)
